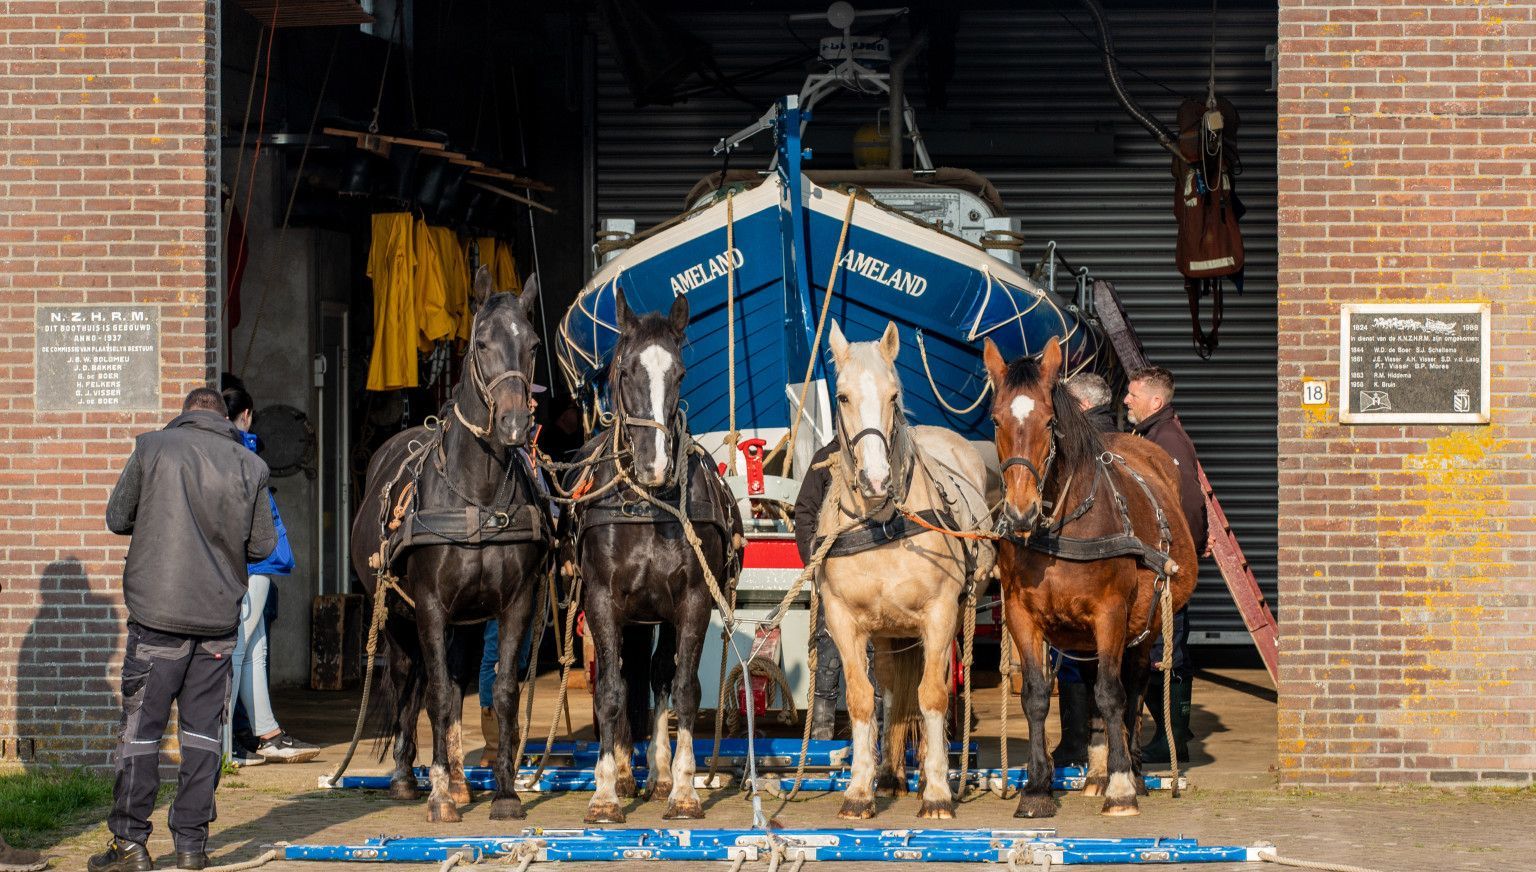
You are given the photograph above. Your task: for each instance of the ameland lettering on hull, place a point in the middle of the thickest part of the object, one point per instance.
(706, 271)
(877, 270)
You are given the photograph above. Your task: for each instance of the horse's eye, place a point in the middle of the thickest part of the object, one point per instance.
(842, 398)
(480, 344)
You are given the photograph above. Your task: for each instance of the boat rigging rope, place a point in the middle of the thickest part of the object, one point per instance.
(821, 324)
(986, 384)
(733, 437)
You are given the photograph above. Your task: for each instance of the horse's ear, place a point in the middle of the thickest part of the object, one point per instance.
(484, 286)
(530, 295)
(622, 313)
(890, 342)
(838, 343)
(996, 366)
(1050, 361)
(678, 316)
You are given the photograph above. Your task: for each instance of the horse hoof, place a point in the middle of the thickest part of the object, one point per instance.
(403, 790)
(605, 813)
(887, 784)
(507, 808)
(626, 788)
(661, 790)
(459, 793)
(857, 810)
(684, 810)
(1096, 785)
(1120, 808)
(443, 813)
(1035, 806)
(941, 810)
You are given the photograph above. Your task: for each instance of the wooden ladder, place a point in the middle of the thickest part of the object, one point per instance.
(1235, 570)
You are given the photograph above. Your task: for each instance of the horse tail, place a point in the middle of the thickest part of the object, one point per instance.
(399, 683)
(904, 715)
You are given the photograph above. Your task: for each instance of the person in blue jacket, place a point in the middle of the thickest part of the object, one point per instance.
(272, 743)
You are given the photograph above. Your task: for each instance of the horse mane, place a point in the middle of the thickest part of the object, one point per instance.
(1077, 439)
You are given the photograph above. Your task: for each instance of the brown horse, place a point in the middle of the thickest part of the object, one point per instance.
(1093, 534)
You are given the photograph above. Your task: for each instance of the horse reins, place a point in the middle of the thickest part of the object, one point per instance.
(484, 390)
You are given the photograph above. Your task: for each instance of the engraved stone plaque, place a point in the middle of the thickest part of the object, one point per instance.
(98, 358)
(1414, 363)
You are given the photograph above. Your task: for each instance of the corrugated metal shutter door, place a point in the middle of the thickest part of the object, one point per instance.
(1032, 73)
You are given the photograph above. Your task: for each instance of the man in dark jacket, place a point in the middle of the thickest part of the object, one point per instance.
(1149, 407)
(194, 499)
(829, 664)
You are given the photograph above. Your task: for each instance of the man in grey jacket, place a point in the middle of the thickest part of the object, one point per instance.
(194, 499)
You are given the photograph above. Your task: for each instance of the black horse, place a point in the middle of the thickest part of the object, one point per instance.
(454, 513)
(636, 564)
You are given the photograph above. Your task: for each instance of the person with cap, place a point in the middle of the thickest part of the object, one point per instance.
(1075, 698)
(195, 501)
(1149, 407)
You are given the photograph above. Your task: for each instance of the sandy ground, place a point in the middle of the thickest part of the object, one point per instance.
(1233, 799)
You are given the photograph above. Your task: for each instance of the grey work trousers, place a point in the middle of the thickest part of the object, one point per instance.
(194, 672)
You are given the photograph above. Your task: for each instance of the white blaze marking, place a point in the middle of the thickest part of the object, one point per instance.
(876, 464)
(657, 362)
(1022, 406)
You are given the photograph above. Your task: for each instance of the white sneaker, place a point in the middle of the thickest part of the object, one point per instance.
(283, 748)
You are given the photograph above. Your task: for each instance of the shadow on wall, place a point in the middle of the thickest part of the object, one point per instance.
(66, 686)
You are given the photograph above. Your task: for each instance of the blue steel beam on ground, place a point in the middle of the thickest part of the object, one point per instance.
(563, 780)
(770, 752)
(857, 845)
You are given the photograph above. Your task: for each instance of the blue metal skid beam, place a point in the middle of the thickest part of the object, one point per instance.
(770, 752)
(563, 780)
(858, 845)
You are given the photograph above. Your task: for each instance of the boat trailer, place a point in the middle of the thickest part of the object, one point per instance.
(1041, 847)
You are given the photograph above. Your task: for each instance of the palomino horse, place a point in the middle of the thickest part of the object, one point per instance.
(1094, 533)
(455, 514)
(894, 579)
(636, 563)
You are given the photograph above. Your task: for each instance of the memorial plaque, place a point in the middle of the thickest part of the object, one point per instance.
(98, 358)
(1414, 364)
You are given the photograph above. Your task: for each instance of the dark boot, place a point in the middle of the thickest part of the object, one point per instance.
(823, 717)
(191, 860)
(121, 856)
(17, 860)
(1074, 710)
(1156, 751)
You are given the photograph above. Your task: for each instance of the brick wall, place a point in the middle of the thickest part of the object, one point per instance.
(104, 199)
(1408, 560)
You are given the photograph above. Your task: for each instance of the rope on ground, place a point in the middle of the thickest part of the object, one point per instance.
(453, 860)
(525, 854)
(545, 590)
(567, 657)
(1007, 668)
(260, 860)
(385, 583)
(810, 664)
(1270, 856)
(1167, 667)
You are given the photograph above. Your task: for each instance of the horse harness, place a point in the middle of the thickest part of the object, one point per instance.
(1046, 537)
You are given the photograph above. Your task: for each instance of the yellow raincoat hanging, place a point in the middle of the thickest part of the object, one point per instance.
(391, 266)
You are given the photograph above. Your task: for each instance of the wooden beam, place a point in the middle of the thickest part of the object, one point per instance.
(511, 196)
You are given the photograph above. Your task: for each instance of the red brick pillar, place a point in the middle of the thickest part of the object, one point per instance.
(105, 215)
(1407, 168)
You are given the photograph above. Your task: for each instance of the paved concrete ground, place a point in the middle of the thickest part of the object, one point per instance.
(1234, 800)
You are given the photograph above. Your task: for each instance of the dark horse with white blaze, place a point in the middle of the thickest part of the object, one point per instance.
(1094, 534)
(636, 563)
(454, 513)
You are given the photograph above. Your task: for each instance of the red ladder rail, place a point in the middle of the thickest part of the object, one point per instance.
(1235, 569)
